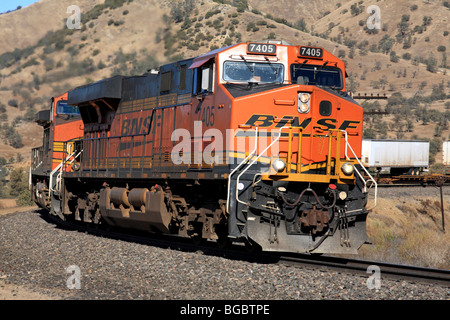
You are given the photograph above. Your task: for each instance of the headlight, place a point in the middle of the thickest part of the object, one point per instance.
(304, 108)
(278, 165)
(304, 97)
(347, 168)
(303, 102)
(342, 195)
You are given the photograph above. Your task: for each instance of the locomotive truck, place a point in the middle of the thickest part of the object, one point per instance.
(256, 143)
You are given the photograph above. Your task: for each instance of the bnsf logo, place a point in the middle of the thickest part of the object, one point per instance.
(266, 121)
(135, 126)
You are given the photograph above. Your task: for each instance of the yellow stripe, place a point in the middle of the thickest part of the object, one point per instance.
(58, 146)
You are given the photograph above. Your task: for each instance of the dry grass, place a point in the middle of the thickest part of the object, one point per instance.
(7, 203)
(409, 232)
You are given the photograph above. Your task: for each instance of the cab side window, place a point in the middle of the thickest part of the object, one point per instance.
(204, 79)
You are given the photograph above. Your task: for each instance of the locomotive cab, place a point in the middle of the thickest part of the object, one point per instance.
(62, 124)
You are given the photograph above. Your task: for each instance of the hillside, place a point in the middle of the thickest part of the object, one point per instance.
(406, 59)
(19, 27)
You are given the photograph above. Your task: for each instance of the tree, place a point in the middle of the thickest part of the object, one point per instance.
(18, 187)
(407, 42)
(176, 11)
(13, 103)
(444, 60)
(241, 5)
(351, 53)
(301, 25)
(369, 133)
(181, 10)
(16, 141)
(385, 44)
(431, 63)
(36, 82)
(403, 27)
(427, 20)
(355, 10)
(352, 84)
(393, 57)
(17, 182)
(409, 124)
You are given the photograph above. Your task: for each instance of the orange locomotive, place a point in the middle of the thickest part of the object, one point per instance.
(255, 143)
(62, 123)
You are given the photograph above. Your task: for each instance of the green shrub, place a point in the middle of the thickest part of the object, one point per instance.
(13, 103)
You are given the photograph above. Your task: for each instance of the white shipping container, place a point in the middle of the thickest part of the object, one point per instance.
(395, 153)
(446, 151)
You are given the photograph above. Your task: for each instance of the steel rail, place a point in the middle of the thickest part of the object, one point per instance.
(388, 270)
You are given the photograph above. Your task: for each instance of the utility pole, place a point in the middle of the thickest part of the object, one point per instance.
(440, 182)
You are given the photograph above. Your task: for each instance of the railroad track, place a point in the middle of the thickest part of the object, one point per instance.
(407, 185)
(413, 180)
(320, 262)
(387, 270)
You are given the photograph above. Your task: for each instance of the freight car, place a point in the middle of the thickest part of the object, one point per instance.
(446, 156)
(396, 156)
(446, 153)
(257, 143)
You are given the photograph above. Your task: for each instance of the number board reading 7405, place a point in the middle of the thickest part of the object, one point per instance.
(262, 48)
(311, 52)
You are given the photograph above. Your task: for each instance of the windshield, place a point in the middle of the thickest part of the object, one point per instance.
(63, 108)
(316, 75)
(259, 72)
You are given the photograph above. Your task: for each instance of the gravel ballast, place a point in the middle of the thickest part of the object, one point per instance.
(36, 254)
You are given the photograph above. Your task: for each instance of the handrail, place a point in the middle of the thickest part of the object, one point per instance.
(238, 166)
(374, 183)
(56, 169)
(254, 160)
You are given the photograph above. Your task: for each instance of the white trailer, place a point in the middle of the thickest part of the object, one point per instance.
(397, 156)
(446, 153)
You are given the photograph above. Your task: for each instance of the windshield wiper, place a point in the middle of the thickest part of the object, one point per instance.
(316, 69)
(248, 65)
(270, 64)
(250, 83)
(275, 70)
